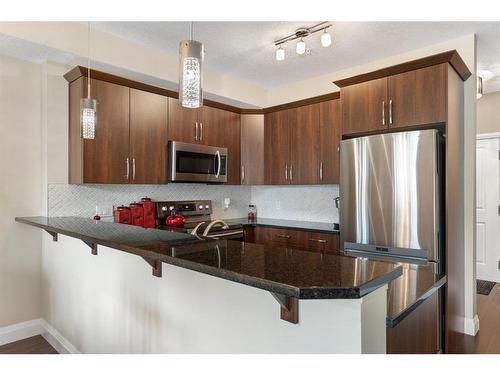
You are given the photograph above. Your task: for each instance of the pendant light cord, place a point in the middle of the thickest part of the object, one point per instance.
(88, 59)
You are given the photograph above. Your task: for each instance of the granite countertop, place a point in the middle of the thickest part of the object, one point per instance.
(287, 224)
(293, 273)
(407, 292)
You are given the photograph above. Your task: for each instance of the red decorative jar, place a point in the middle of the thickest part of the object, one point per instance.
(149, 212)
(122, 215)
(137, 214)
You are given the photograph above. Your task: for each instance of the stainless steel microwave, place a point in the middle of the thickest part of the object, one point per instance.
(188, 162)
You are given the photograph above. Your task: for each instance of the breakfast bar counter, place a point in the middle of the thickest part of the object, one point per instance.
(324, 303)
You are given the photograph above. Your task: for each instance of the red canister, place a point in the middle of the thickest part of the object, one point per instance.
(137, 214)
(149, 212)
(122, 215)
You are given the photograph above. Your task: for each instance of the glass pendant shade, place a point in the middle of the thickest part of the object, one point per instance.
(301, 47)
(280, 54)
(88, 117)
(326, 39)
(191, 74)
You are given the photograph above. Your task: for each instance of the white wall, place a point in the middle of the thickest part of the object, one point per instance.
(20, 190)
(488, 113)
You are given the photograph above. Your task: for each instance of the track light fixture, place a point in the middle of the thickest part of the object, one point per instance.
(301, 33)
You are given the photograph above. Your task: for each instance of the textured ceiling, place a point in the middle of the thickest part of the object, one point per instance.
(246, 50)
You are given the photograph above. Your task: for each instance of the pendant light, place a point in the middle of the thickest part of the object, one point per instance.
(88, 106)
(191, 72)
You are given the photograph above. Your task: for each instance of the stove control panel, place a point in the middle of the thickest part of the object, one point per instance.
(185, 208)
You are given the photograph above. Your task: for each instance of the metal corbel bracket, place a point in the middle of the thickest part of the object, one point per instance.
(289, 307)
(93, 247)
(156, 265)
(53, 234)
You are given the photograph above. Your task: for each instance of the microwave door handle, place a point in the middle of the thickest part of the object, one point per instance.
(217, 153)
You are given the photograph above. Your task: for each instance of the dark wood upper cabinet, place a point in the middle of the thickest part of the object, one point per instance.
(417, 97)
(148, 137)
(222, 129)
(364, 106)
(183, 123)
(106, 158)
(252, 149)
(304, 145)
(412, 98)
(277, 147)
(329, 141)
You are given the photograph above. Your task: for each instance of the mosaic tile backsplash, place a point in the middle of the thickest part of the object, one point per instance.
(81, 200)
(309, 203)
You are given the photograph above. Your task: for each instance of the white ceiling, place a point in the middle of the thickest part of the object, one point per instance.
(246, 49)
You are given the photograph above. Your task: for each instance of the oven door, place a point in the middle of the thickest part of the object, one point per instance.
(196, 163)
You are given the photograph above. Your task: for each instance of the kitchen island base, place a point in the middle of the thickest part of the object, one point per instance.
(108, 304)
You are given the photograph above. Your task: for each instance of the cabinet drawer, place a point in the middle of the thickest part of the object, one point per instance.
(323, 242)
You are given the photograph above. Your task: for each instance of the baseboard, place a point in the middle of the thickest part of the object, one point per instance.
(23, 330)
(471, 325)
(20, 331)
(58, 341)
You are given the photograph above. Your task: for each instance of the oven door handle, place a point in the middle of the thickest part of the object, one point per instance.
(217, 153)
(225, 234)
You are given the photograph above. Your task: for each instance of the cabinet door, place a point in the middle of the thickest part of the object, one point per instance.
(276, 147)
(222, 129)
(304, 145)
(105, 157)
(182, 122)
(252, 149)
(418, 97)
(148, 137)
(364, 106)
(329, 141)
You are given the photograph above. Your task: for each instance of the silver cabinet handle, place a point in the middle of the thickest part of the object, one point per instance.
(383, 112)
(242, 173)
(291, 172)
(201, 132)
(127, 164)
(133, 169)
(196, 131)
(286, 172)
(283, 236)
(316, 240)
(321, 171)
(217, 153)
(390, 111)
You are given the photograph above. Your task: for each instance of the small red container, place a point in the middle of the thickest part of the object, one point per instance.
(175, 220)
(149, 213)
(122, 215)
(137, 214)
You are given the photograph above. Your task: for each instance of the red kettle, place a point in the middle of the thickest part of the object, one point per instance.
(174, 220)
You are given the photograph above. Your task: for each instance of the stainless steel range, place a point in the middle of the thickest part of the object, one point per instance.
(198, 220)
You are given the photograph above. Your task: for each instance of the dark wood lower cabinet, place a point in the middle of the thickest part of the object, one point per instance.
(294, 239)
(418, 333)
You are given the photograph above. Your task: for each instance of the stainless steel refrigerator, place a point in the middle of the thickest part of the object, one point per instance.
(391, 196)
